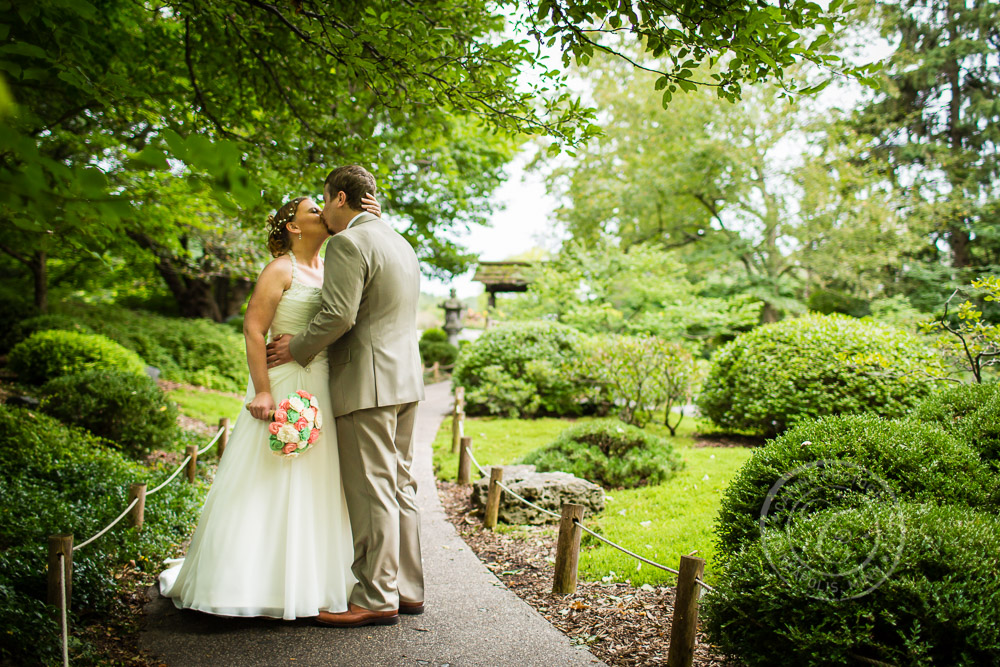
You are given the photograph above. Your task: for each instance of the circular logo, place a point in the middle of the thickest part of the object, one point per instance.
(847, 551)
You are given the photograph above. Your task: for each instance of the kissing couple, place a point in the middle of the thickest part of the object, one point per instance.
(334, 533)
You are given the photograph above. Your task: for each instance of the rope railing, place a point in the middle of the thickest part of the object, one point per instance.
(61, 546)
(689, 576)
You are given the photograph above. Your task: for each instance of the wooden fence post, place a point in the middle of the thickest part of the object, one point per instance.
(685, 623)
(192, 466)
(568, 550)
(465, 462)
(224, 438)
(457, 418)
(460, 398)
(60, 544)
(137, 490)
(493, 499)
(436, 371)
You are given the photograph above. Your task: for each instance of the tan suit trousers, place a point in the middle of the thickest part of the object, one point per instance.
(376, 455)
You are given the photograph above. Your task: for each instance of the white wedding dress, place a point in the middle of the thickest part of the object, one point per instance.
(274, 537)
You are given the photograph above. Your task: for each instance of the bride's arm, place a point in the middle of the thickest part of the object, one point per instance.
(273, 281)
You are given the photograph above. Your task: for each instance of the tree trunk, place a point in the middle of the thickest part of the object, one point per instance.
(213, 297)
(958, 239)
(769, 313)
(39, 270)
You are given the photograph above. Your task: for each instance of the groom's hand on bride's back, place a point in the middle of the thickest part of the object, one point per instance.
(278, 352)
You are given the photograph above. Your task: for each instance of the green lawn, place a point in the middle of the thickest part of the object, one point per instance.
(207, 406)
(680, 513)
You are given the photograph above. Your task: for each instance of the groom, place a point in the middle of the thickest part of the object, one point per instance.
(368, 324)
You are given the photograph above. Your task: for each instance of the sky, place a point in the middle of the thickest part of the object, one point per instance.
(523, 220)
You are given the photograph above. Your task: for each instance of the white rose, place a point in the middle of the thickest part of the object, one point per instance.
(287, 433)
(319, 419)
(296, 403)
(315, 402)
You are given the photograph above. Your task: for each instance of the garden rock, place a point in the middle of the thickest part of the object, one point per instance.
(546, 489)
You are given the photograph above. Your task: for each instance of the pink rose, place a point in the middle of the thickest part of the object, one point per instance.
(281, 415)
(301, 423)
(304, 394)
(284, 405)
(313, 435)
(274, 427)
(289, 448)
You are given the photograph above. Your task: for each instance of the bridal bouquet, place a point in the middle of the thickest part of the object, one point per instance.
(296, 425)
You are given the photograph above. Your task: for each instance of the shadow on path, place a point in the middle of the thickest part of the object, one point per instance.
(471, 618)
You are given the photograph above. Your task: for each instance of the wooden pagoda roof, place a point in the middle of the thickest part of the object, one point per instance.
(504, 276)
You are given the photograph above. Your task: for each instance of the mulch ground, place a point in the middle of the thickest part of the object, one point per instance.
(618, 623)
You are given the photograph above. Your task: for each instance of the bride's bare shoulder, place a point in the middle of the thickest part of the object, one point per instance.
(277, 272)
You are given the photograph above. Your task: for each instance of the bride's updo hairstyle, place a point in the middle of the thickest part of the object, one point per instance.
(279, 241)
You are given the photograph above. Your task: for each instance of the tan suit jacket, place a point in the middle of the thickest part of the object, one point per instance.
(368, 321)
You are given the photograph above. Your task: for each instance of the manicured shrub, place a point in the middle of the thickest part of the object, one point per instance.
(947, 408)
(641, 374)
(49, 354)
(434, 335)
(194, 351)
(443, 353)
(918, 462)
(524, 369)
(60, 479)
(610, 453)
(23, 329)
(971, 413)
(981, 430)
(434, 346)
(130, 410)
(776, 375)
(936, 606)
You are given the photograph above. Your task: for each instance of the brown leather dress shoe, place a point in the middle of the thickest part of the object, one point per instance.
(411, 608)
(356, 616)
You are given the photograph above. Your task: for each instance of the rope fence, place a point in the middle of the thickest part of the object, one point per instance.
(61, 547)
(690, 585)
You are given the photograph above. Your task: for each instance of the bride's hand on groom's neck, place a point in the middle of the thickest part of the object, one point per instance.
(370, 204)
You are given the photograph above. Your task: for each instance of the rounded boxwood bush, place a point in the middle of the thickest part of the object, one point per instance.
(25, 328)
(936, 606)
(434, 346)
(947, 408)
(776, 375)
(434, 335)
(49, 354)
(523, 369)
(981, 430)
(610, 453)
(443, 353)
(62, 479)
(917, 462)
(196, 351)
(130, 410)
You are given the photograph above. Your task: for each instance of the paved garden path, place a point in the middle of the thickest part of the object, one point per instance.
(471, 618)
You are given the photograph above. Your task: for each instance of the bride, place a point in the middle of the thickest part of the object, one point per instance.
(274, 538)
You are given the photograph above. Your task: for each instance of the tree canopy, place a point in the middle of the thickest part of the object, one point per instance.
(249, 102)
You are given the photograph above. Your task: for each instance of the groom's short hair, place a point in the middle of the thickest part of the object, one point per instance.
(353, 180)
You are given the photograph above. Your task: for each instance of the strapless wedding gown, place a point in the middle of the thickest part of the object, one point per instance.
(274, 537)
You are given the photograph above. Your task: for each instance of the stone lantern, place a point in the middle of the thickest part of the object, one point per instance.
(453, 317)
